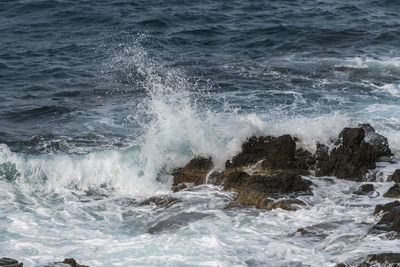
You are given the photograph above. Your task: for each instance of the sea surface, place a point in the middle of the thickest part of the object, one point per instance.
(100, 100)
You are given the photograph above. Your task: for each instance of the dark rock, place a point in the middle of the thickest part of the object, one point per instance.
(163, 202)
(259, 191)
(275, 153)
(382, 259)
(385, 258)
(70, 261)
(350, 159)
(304, 160)
(194, 172)
(253, 150)
(215, 178)
(365, 189)
(386, 207)
(377, 141)
(73, 263)
(390, 220)
(394, 191)
(288, 204)
(395, 177)
(282, 153)
(7, 262)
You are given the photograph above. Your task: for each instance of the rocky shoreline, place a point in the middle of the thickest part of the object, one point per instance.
(268, 174)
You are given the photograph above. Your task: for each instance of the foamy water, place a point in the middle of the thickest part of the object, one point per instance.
(74, 170)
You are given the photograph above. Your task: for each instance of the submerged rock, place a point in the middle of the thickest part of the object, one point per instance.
(70, 261)
(194, 173)
(162, 202)
(8, 262)
(365, 189)
(395, 177)
(390, 220)
(393, 192)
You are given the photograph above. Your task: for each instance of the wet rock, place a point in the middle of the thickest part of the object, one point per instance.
(386, 207)
(395, 177)
(281, 154)
(288, 204)
(162, 202)
(382, 259)
(8, 262)
(260, 191)
(304, 160)
(253, 150)
(390, 220)
(351, 158)
(276, 154)
(215, 178)
(194, 172)
(393, 192)
(365, 189)
(377, 141)
(72, 262)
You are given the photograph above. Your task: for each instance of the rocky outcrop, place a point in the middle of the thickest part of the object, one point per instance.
(354, 154)
(268, 168)
(390, 220)
(194, 173)
(351, 157)
(393, 192)
(253, 150)
(395, 177)
(377, 141)
(8, 262)
(275, 153)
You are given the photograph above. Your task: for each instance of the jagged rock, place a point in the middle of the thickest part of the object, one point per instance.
(8, 262)
(281, 154)
(351, 158)
(215, 178)
(390, 220)
(378, 141)
(395, 177)
(163, 202)
(253, 150)
(304, 160)
(394, 191)
(382, 259)
(193, 173)
(276, 154)
(365, 189)
(260, 191)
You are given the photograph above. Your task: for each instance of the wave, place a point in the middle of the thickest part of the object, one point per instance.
(175, 125)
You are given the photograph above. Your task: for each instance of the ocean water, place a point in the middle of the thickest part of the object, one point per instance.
(100, 100)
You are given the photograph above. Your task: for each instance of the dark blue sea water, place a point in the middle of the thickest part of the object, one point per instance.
(101, 99)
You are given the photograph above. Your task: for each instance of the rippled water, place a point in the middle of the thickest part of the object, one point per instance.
(101, 99)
